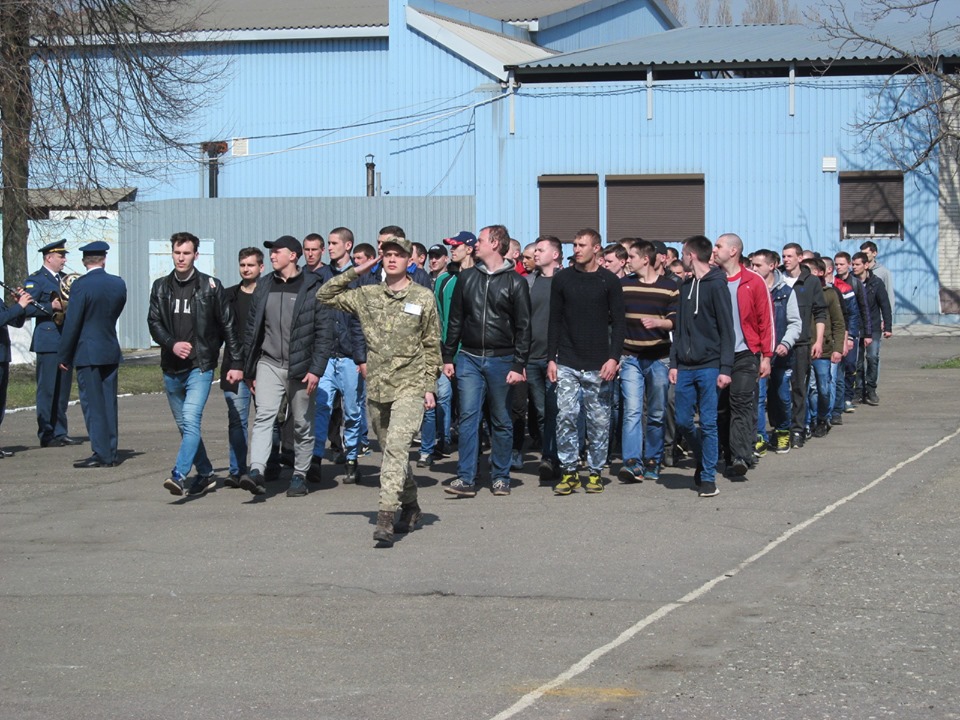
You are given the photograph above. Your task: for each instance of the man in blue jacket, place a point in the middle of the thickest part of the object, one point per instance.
(89, 342)
(701, 356)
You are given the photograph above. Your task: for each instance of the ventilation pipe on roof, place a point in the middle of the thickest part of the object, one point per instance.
(213, 151)
(512, 89)
(371, 168)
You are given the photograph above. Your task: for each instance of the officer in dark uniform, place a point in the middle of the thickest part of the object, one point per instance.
(89, 342)
(53, 385)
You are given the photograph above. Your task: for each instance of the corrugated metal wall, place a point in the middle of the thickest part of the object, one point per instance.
(231, 224)
(762, 166)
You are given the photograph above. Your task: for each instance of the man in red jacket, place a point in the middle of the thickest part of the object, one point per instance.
(753, 348)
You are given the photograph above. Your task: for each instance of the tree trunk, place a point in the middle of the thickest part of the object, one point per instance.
(16, 107)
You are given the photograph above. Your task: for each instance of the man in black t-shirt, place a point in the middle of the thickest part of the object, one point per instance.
(190, 319)
(237, 394)
(584, 344)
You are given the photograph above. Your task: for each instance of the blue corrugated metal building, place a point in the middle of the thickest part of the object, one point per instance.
(600, 113)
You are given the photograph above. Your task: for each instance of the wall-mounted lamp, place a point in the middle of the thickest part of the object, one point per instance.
(370, 175)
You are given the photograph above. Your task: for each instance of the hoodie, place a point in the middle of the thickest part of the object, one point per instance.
(704, 336)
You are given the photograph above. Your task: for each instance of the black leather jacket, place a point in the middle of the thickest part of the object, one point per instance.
(212, 322)
(490, 315)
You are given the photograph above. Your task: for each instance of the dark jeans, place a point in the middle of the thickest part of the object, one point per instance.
(737, 408)
(799, 382)
(544, 394)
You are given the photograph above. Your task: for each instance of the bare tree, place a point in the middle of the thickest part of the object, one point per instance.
(916, 109)
(724, 14)
(678, 9)
(769, 12)
(703, 11)
(92, 91)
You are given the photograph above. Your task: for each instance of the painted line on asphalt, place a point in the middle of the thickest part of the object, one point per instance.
(584, 664)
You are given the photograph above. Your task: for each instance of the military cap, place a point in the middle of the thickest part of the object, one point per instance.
(59, 246)
(403, 244)
(98, 247)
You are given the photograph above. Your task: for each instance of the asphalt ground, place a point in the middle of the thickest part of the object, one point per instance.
(826, 585)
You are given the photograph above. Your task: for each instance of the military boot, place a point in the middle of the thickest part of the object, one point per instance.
(410, 517)
(383, 535)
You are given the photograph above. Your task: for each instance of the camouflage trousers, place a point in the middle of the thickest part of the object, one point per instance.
(584, 389)
(395, 423)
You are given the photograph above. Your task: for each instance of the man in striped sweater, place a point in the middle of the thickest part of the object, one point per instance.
(753, 348)
(650, 303)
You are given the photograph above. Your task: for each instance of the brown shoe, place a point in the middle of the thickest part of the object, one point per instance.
(410, 517)
(383, 535)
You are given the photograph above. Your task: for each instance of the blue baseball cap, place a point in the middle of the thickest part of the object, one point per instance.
(463, 237)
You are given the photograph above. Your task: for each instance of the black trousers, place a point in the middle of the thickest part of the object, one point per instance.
(737, 408)
(798, 387)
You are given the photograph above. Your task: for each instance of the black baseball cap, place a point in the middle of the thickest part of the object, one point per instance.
(285, 242)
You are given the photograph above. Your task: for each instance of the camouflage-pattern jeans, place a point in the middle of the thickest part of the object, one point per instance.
(576, 388)
(395, 423)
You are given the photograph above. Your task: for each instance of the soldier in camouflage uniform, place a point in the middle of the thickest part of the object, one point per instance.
(400, 323)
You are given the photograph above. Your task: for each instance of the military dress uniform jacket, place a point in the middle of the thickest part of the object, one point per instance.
(42, 286)
(90, 328)
(402, 330)
(10, 315)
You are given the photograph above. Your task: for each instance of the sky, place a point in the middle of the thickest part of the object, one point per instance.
(738, 6)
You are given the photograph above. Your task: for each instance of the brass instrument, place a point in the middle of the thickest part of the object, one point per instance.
(66, 282)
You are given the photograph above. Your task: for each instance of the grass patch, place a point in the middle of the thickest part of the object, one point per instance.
(134, 379)
(951, 364)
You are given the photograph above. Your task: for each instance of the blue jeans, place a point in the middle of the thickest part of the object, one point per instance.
(238, 412)
(643, 380)
(340, 376)
(775, 394)
(187, 393)
(698, 388)
(438, 416)
(820, 399)
(477, 378)
(544, 394)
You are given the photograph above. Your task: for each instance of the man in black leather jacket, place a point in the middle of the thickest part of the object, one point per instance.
(190, 319)
(490, 324)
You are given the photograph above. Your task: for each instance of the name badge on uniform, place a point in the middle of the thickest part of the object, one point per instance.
(413, 309)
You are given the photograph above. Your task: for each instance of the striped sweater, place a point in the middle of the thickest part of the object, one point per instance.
(645, 300)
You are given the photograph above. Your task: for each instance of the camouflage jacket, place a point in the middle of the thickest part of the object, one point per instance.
(402, 331)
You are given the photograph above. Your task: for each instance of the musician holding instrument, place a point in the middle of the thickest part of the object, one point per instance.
(14, 316)
(53, 384)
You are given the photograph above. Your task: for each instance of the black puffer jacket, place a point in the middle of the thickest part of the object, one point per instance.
(490, 315)
(212, 321)
(311, 336)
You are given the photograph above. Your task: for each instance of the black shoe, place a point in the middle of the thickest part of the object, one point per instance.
(821, 429)
(547, 471)
(836, 420)
(5, 453)
(298, 486)
(796, 440)
(232, 481)
(738, 467)
(252, 482)
(65, 441)
(350, 473)
(871, 398)
(202, 485)
(410, 517)
(313, 474)
(92, 462)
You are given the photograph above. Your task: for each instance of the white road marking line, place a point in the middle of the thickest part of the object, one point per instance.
(584, 664)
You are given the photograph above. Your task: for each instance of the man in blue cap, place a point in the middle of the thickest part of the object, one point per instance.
(53, 384)
(89, 342)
